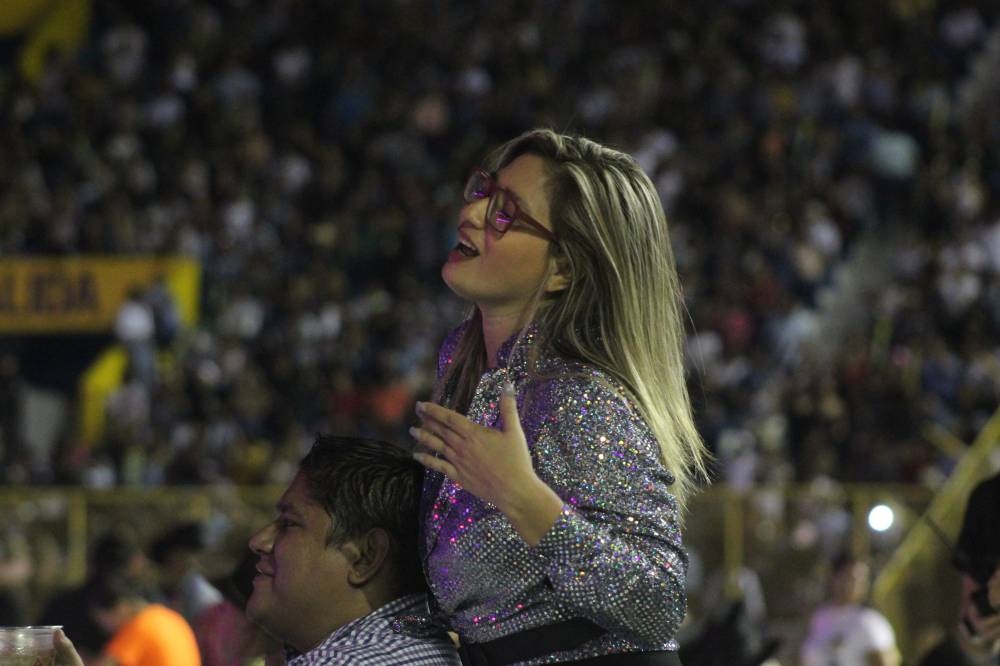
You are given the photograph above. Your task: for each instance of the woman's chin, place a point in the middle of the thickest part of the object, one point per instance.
(451, 274)
(459, 286)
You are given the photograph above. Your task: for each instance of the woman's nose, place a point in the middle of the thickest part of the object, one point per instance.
(474, 212)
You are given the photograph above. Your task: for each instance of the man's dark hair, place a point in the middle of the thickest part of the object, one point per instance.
(365, 484)
(842, 561)
(186, 537)
(105, 593)
(111, 554)
(977, 552)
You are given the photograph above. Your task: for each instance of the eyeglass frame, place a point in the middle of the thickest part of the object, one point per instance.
(490, 220)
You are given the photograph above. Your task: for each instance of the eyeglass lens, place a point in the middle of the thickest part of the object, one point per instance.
(479, 186)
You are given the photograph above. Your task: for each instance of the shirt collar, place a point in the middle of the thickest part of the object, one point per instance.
(515, 350)
(379, 619)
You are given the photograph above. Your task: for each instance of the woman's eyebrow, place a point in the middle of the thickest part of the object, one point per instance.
(518, 199)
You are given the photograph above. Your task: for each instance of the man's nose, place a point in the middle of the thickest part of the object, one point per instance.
(263, 540)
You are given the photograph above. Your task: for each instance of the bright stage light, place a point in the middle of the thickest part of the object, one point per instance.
(880, 518)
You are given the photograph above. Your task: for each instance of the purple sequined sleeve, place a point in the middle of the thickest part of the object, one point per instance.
(615, 553)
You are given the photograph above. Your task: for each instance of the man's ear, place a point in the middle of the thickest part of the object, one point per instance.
(366, 555)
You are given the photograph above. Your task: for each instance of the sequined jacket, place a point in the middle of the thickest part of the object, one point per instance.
(614, 555)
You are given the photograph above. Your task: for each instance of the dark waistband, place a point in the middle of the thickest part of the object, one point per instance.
(660, 658)
(560, 637)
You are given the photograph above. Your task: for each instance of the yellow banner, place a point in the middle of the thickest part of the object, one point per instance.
(83, 294)
(44, 27)
(19, 15)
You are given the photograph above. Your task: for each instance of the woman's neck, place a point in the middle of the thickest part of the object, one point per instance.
(497, 329)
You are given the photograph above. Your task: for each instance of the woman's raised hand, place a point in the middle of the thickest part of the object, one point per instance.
(493, 465)
(486, 462)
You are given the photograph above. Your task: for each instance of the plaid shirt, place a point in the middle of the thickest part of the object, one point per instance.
(371, 641)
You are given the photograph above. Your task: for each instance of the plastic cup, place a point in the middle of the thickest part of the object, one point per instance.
(27, 646)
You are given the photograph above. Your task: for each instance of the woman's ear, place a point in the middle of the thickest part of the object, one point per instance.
(366, 555)
(559, 272)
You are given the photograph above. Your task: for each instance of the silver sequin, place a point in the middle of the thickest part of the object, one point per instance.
(614, 555)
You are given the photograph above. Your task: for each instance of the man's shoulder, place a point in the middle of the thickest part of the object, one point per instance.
(372, 641)
(875, 629)
(159, 633)
(382, 649)
(986, 494)
(874, 617)
(161, 618)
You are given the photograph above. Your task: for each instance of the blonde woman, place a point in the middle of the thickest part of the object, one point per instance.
(560, 447)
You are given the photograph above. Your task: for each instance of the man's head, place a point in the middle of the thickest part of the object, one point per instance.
(343, 542)
(114, 553)
(849, 579)
(114, 600)
(175, 554)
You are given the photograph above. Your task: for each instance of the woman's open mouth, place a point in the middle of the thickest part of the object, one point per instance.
(466, 248)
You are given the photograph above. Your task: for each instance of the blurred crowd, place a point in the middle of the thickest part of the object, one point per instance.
(309, 156)
(125, 578)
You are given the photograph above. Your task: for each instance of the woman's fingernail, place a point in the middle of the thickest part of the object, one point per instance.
(414, 433)
(508, 388)
(420, 407)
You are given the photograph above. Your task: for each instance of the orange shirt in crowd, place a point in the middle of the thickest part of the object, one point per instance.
(157, 636)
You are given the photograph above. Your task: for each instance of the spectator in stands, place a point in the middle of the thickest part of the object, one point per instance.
(166, 318)
(175, 554)
(16, 568)
(979, 561)
(142, 633)
(339, 561)
(843, 631)
(226, 637)
(12, 449)
(113, 555)
(135, 329)
(976, 637)
(780, 147)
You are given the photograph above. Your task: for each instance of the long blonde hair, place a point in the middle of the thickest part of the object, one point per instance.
(621, 310)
